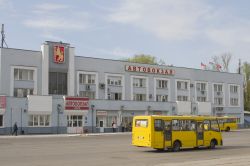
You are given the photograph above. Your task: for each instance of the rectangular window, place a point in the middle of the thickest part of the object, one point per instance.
(139, 97)
(201, 86)
(139, 82)
(187, 125)
(214, 125)
(175, 125)
(89, 94)
(110, 120)
(141, 123)
(114, 80)
(87, 78)
(233, 89)
(58, 83)
(24, 74)
(39, 120)
(182, 98)
(21, 92)
(162, 98)
(218, 87)
(182, 85)
(163, 84)
(218, 101)
(158, 125)
(115, 96)
(201, 99)
(206, 125)
(234, 101)
(1, 120)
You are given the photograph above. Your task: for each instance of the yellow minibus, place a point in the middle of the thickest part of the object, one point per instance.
(227, 123)
(175, 132)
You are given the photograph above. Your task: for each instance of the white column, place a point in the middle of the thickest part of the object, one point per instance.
(45, 69)
(71, 72)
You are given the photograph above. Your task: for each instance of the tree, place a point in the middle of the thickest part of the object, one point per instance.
(223, 59)
(147, 59)
(226, 58)
(246, 72)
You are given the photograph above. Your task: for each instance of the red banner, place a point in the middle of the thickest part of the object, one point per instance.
(59, 54)
(3, 102)
(76, 103)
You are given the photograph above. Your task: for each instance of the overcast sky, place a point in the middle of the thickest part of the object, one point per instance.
(181, 32)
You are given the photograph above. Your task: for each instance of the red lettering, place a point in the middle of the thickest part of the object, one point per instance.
(144, 69)
(148, 70)
(129, 68)
(139, 68)
(153, 70)
(134, 68)
(166, 72)
(158, 70)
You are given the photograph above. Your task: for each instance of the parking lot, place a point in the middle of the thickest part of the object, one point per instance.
(115, 149)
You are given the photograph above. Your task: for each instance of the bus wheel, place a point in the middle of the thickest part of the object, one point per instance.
(227, 129)
(212, 144)
(176, 146)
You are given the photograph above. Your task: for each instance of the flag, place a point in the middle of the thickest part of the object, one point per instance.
(218, 67)
(203, 66)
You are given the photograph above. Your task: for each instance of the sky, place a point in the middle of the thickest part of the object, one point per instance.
(183, 33)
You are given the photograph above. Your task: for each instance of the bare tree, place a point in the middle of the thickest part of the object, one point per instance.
(226, 59)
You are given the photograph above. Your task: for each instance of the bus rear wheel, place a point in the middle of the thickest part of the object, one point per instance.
(176, 146)
(227, 129)
(212, 144)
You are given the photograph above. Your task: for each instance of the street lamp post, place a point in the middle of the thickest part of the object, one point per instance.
(59, 107)
(92, 118)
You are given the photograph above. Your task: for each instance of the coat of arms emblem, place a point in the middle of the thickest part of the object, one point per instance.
(58, 54)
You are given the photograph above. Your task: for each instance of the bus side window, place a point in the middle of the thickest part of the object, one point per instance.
(158, 125)
(214, 125)
(167, 125)
(175, 125)
(193, 125)
(206, 124)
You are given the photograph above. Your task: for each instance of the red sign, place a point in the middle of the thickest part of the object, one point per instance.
(3, 102)
(151, 70)
(59, 54)
(76, 103)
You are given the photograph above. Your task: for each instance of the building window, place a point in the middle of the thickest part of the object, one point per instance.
(182, 85)
(201, 86)
(115, 96)
(22, 92)
(139, 97)
(162, 84)
(110, 120)
(89, 94)
(162, 98)
(39, 120)
(114, 81)
(74, 121)
(218, 100)
(139, 82)
(233, 89)
(87, 78)
(218, 87)
(201, 99)
(58, 83)
(1, 120)
(182, 98)
(23, 74)
(234, 101)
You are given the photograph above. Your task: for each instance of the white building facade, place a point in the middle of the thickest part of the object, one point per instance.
(55, 91)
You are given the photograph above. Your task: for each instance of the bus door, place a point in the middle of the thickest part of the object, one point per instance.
(200, 133)
(158, 134)
(167, 133)
(207, 132)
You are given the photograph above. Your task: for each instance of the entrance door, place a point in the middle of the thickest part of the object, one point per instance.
(200, 134)
(167, 134)
(75, 124)
(101, 124)
(158, 134)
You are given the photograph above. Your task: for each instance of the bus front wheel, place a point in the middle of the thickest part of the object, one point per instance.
(176, 146)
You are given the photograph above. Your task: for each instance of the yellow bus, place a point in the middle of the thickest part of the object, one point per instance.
(175, 132)
(228, 123)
